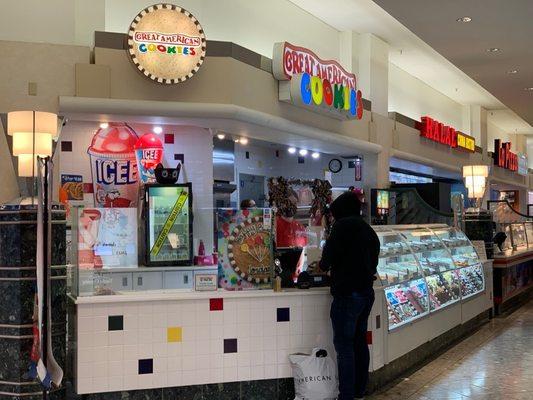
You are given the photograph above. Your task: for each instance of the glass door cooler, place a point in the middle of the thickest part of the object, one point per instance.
(168, 211)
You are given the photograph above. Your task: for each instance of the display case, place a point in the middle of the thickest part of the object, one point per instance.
(425, 268)
(168, 211)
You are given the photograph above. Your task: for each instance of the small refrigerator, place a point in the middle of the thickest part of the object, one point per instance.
(168, 211)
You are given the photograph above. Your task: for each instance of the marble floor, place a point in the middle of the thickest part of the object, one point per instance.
(494, 363)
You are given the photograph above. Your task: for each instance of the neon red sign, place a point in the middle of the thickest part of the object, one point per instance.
(444, 134)
(504, 157)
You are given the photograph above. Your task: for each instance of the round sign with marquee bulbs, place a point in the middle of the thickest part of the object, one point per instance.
(166, 43)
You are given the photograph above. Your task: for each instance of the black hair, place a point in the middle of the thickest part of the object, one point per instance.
(247, 203)
(346, 205)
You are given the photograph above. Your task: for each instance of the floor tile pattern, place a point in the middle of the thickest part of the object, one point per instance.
(494, 363)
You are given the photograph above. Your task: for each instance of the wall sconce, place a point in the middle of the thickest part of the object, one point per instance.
(475, 177)
(32, 132)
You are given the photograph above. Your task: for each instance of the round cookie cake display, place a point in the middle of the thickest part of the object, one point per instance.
(249, 251)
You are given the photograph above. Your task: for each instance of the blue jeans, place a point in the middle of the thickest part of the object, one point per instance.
(349, 317)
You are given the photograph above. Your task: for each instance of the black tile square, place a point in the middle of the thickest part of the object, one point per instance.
(301, 160)
(115, 323)
(66, 145)
(146, 366)
(230, 345)
(284, 314)
(179, 157)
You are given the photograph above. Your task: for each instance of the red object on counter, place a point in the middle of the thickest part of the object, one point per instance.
(290, 233)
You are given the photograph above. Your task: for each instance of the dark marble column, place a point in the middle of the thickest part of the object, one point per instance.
(18, 286)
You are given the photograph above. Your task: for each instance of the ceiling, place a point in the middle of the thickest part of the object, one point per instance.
(426, 41)
(495, 24)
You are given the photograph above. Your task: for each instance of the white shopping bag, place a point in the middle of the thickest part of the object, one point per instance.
(315, 378)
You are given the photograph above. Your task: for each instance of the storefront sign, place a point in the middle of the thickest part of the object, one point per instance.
(166, 43)
(504, 157)
(522, 164)
(320, 85)
(444, 134)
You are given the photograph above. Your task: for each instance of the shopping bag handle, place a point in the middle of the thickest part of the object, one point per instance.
(319, 352)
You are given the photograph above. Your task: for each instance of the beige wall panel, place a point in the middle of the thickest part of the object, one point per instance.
(9, 188)
(93, 80)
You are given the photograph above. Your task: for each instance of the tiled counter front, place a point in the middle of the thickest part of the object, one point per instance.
(157, 340)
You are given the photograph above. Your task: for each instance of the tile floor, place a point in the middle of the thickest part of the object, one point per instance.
(495, 363)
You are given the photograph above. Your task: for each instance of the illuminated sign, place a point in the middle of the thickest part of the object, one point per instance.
(504, 157)
(522, 164)
(166, 43)
(320, 85)
(444, 134)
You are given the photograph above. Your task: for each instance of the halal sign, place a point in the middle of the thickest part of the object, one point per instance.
(166, 43)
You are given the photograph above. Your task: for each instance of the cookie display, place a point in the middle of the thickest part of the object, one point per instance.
(249, 251)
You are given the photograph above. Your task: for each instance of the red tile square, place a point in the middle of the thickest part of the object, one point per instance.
(169, 138)
(216, 304)
(88, 188)
(368, 337)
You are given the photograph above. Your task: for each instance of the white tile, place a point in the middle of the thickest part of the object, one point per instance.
(295, 341)
(271, 371)
(270, 358)
(256, 358)
(160, 349)
(282, 329)
(115, 353)
(145, 308)
(256, 329)
(100, 369)
(174, 320)
(174, 378)
(188, 334)
(100, 324)
(115, 338)
(284, 371)
(202, 333)
(145, 381)
(269, 329)
(160, 365)
(243, 330)
(296, 314)
(188, 349)
(230, 317)
(189, 363)
(84, 311)
(202, 347)
(269, 343)
(189, 306)
(146, 321)
(243, 373)
(283, 342)
(84, 385)
(174, 349)
(189, 378)
(216, 318)
(310, 313)
(203, 362)
(256, 316)
(85, 355)
(243, 317)
(230, 375)
(115, 309)
(131, 337)
(99, 354)
(216, 332)
(131, 309)
(243, 359)
(230, 360)
(99, 310)
(85, 324)
(296, 327)
(85, 369)
(257, 372)
(159, 335)
(230, 331)
(174, 364)
(145, 351)
(173, 308)
(100, 384)
(244, 344)
(115, 383)
(216, 375)
(131, 322)
(145, 336)
(159, 320)
(100, 339)
(131, 381)
(189, 318)
(203, 318)
(282, 356)
(217, 361)
(115, 368)
(257, 343)
(160, 380)
(85, 340)
(216, 346)
(130, 352)
(131, 367)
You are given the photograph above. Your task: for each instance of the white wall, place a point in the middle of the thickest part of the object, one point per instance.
(494, 132)
(195, 143)
(413, 98)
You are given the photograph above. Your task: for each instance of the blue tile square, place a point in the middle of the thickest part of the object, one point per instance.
(284, 314)
(146, 366)
(230, 345)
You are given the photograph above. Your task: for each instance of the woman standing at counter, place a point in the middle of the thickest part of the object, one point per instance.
(351, 254)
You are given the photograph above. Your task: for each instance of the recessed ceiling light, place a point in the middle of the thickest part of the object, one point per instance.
(303, 152)
(158, 130)
(315, 155)
(243, 141)
(512, 71)
(464, 19)
(529, 89)
(104, 125)
(291, 150)
(221, 136)
(493, 49)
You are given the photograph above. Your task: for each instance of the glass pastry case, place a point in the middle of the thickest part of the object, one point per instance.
(424, 268)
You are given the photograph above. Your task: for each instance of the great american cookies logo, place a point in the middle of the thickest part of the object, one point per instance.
(166, 43)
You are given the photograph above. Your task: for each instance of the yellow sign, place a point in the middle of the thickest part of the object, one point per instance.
(466, 142)
(182, 198)
(166, 43)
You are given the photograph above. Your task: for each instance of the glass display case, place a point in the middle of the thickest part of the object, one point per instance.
(425, 268)
(168, 224)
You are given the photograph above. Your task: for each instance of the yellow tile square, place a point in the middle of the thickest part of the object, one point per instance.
(174, 334)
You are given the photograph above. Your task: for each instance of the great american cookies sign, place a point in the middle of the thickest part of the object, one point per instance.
(166, 43)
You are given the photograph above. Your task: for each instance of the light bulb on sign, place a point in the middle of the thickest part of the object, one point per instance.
(158, 130)
(291, 150)
(104, 125)
(303, 152)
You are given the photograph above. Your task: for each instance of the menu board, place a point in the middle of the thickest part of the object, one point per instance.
(107, 238)
(245, 259)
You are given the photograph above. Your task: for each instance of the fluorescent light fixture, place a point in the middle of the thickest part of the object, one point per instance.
(303, 152)
(512, 71)
(158, 130)
(292, 150)
(465, 19)
(243, 141)
(315, 155)
(493, 49)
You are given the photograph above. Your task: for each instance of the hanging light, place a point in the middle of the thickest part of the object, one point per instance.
(475, 177)
(33, 133)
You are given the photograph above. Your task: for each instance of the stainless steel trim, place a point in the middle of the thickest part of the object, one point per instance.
(55, 278)
(28, 383)
(16, 337)
(21, 394)
(15, 327)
